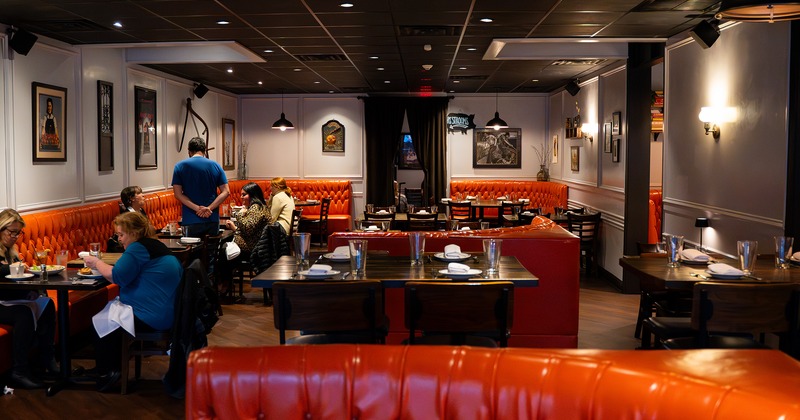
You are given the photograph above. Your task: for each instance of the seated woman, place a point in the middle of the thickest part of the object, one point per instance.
(148, 276)
(132, 201)
(250, 221)
(281, 204)
(27, 330)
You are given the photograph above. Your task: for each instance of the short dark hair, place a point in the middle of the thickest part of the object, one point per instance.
(256, 194)
(127, 194)
(196, 144)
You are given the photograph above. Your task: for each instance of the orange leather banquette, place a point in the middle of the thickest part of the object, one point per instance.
(543, 194)
(654, 220)
(544, 316)
(340, 214)
(443, 382)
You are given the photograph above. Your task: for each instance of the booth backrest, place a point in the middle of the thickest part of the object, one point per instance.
(543, 194)
(654, 219)
(444, 382)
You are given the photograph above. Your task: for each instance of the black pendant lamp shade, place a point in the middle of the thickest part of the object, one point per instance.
(282, 124)
(496, 122)
(759, 10)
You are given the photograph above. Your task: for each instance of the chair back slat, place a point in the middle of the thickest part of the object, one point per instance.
(744, 308)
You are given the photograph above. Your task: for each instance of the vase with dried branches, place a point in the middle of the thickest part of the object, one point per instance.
(243, 161)
(543, 153)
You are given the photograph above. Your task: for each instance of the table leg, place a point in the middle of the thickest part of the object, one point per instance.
(62, 297)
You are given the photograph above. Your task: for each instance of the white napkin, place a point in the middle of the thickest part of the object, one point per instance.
(524, 200)
(444, 200)
(319, 269)
(502, 197)
(452, 251)
(457, 268)
(724, 269)
(422, 212)
(232, 250)
(527, 213)
(381, 212)
(372, 227)
(83, 254)
(796, 256)
(472, 197)
(694, 255)
(116, 314)
(465, 228)
(341, 252)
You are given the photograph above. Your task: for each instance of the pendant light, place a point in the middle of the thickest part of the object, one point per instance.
(282, 124)
(759, 10)
(496, 122)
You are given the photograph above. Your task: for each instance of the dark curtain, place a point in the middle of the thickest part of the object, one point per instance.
(383, 120)
(427, 122)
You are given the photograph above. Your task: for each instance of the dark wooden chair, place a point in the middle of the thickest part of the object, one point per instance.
(330, 312)
(294, 227)
(378, 219)
(415, 197)
(422, 222)
(660, 302)
(319, 226)
(509, 214)
(587, 228)
(450, 313)
(214, 247)
(460, 211)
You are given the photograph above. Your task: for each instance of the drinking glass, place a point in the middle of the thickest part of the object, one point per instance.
(358, 257)
(674, 248)
(417, 247)
(748, 250)
(453, 224)
(41, 258)
(491, 249)
(62, 257)
(370, 208)
(484, 225)
(783, 251)
(411, 208)
(302, 248)
(392, 209)
(224, 210)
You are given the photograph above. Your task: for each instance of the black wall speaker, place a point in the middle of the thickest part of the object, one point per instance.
(573, 88)
(200, 90)
(21, 41)
(705, 34)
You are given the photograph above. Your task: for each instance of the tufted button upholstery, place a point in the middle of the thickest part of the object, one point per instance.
(654, 218)
(543, 194)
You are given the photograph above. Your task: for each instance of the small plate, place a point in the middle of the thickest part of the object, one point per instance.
(691, 262)
(724, 276)
(331, 273)
(51, 269)
(462, 257)
(190, 240)
(331, 257)
(22, 277)
(90, 276)
(460, 276)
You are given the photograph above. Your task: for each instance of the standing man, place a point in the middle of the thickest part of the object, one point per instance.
(195, 181)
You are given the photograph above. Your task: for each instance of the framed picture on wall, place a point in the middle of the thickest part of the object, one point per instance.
(145, 128)
(615, 150)
(607, 137)
(496, 148)
(555, 149)
(228, 144)
(333, 136)
(105, 126)
(575, 158)
(49, 123)
(616, 123)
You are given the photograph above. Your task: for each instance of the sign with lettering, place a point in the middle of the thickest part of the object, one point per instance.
(460, 122)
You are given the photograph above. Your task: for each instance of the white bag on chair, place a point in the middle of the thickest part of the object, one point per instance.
(232, 250)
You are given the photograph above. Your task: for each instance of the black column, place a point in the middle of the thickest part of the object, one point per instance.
(792, 218)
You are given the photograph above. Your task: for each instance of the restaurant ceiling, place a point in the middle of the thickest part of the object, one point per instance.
(319, 47)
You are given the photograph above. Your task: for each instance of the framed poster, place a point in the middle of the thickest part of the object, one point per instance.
(616, 121)
(333, 136)
(607, 137)
(145, 128)
(615, 150)
(49, 123)
(228, 144)
(575, 158)
(496, 148)
(555, 149)
(105, 126)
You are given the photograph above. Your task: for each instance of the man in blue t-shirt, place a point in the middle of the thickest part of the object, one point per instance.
(195, 182)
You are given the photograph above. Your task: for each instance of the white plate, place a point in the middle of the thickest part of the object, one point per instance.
(691, 262)
(462, 256)
(90, 276)
(190, 240)
(724, 276)
(22, 277)
(331, 257)
(51, 269)
(460, 276)
(318, 276)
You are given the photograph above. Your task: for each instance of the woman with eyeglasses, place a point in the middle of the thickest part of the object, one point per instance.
(16, 309)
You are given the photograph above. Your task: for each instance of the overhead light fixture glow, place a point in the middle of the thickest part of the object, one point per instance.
(496, 122)
(260, 82)
(472, 49)
(268, 51)
(316, 82)
(346, 4)
(759, 10)
(223, 22)
(462, 68)
(282, 124)
(487, 20)
(117, 24)
(230, 69)
(387, 81)
(380, 69)
(298, 69)
(373, 57)
(456, 81)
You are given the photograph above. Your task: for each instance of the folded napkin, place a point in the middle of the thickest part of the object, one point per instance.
(319, 269)
(724, 269)
(116, 314)
(232, 250)
(452, 251)
(422, 212)
(381, 212)
(341, 252)
(527, 213)
(502, 197)
(372, 227)
(694, 255)
(83, 254)
(457, 268)
(465, 228)
(472, 197)
(444, 200)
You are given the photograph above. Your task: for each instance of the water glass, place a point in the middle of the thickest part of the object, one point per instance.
(484, 225)
(748, 250)
(370, 208)
(224, 210)
(783, 251)
(358, 257)
(392, 209)
(417, 247)
(411, 208)
(62, 257)
(302, 248)
(674, 249)
(453, 224)
(492, 249)
(94, 249)
(434, 209)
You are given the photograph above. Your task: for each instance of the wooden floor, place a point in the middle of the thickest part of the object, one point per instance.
(607, 319)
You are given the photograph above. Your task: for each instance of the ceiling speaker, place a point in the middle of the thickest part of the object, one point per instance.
(573, 88)
(21, 41)
(200, 90)
(705, 34)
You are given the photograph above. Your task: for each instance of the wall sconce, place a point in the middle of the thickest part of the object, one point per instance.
(712, 116)
(702, 223)
(589, 130)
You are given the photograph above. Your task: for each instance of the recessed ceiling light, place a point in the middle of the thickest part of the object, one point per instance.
(380, 68)
(267, 51)
(330, 91)
(462, 68)
(472, 49)
(456, 81)
(346, 4)
(117, 24)
(223, 22)
(373, 57)
(230, 69)
(260, 82)
(487, 20)
(535, 80)
(317, 82)
(298, 69)
(452, 91)
(386, 81)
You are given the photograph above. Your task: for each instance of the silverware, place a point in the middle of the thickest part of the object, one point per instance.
(345, 274)
(318, 260)
(750, 276)
(700, 275)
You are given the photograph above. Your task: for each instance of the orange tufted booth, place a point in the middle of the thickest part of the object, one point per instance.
(543, 194)
(340, 214)
(654, 219)
(443, 382)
